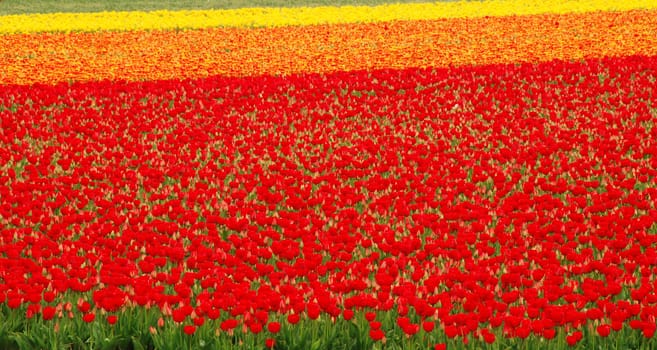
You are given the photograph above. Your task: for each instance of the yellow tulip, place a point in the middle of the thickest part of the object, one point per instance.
(302, 16)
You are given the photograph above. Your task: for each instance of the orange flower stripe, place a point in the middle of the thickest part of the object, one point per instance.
(150, 55)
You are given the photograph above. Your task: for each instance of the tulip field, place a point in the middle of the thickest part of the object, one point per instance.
(440, 175)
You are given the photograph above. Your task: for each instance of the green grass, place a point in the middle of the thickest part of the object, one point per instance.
(8, 7)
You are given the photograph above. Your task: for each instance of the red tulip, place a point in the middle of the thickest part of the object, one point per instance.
(313, 311)
(255, 327)
(88, 318)
(112, 319)
(574, 338)
(293, 318)
(84, 306)
(198, 321)
(603, 330)
(348, 314)
(189, 329)
(377, 334)
(48, 313)
(428, 326)
(228, 324)
(489, 337)
(274, 327)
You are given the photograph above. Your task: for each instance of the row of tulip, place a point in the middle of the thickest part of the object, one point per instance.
(303, 16)
(159, 55)
(482, 204)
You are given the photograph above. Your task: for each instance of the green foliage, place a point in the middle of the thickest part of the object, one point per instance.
(50, 6)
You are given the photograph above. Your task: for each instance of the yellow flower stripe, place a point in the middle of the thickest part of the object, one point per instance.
(276, 17)
(149, 55)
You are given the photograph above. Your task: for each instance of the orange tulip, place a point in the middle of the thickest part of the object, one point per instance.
(139, 55)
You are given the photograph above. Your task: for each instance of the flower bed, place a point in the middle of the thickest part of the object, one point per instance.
(417, 186)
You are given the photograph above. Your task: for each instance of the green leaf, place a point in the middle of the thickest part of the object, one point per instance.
(22, 341)
(136, 344)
